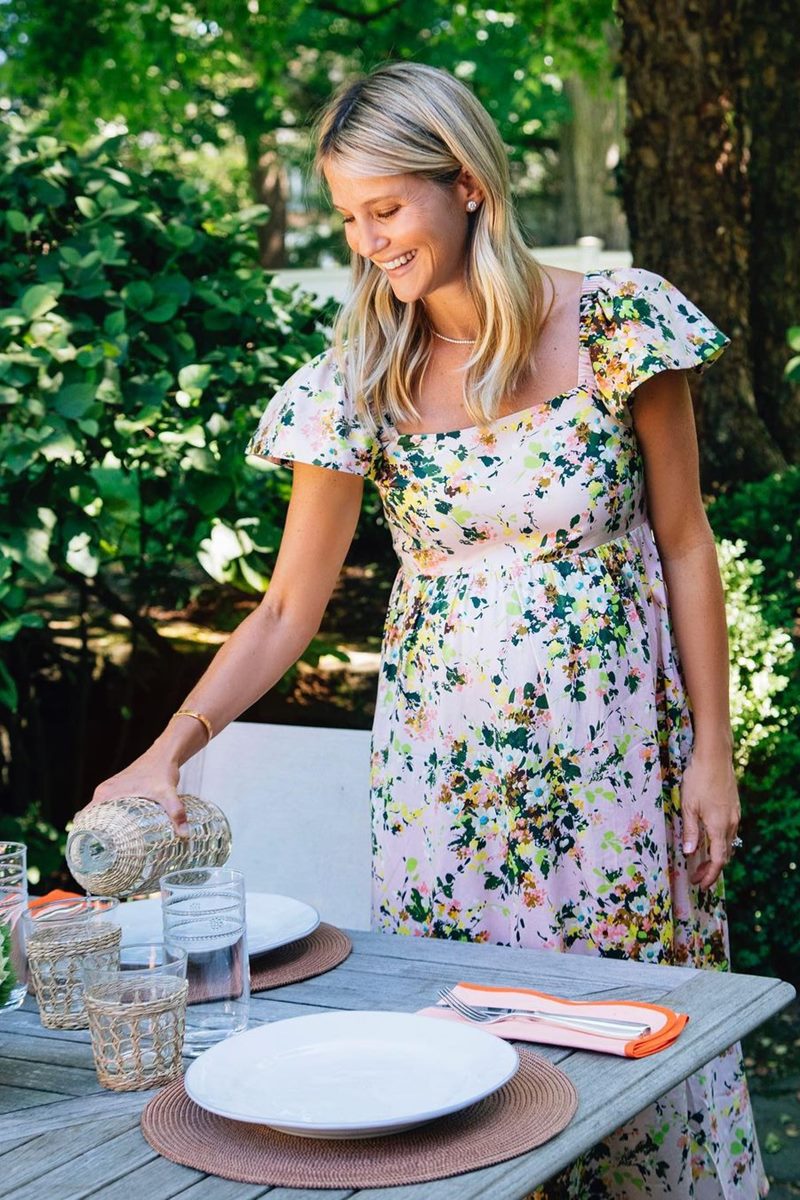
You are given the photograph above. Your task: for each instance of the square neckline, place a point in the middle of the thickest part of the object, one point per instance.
(520, 414)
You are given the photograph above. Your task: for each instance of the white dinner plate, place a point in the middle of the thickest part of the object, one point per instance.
(272, 920)
(349, 1074)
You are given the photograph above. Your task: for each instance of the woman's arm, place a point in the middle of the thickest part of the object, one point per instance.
(665, 428)
(320, 523)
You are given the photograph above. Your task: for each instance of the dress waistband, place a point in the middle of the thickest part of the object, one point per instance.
(487, 554)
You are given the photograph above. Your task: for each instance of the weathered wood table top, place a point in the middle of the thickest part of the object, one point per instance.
(63, 1136)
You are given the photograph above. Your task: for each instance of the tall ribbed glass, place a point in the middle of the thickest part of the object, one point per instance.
(204, 914)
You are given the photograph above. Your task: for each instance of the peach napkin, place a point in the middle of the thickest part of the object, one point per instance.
(665, 1025)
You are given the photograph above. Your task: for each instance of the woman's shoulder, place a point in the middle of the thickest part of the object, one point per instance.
(565, 286)
(311, 419)
(635, 289)
(641, 324)
(626, 276)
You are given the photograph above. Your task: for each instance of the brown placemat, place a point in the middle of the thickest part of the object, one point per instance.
(315, 954)
(530, 1109)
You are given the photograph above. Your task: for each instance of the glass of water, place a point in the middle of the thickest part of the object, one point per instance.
(13, 907)
(204, 914)
(13, 865)
(13, 963)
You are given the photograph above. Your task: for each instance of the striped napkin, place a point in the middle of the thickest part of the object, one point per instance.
(665, 1025)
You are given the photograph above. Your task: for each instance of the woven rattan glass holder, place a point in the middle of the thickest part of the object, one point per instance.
(137, 1031)
(55, 957)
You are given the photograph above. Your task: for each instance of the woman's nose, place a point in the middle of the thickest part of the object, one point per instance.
(371, 242)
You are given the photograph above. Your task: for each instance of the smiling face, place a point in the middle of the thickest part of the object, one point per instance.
(411, 228)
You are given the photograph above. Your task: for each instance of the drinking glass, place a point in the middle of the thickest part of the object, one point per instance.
(13, 865)
(204, 914)
(14, 972)
(59, 935)
(71, 910)
(136, 1015)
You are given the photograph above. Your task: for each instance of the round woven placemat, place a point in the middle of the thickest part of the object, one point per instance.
(315, 954)
(531, 1108)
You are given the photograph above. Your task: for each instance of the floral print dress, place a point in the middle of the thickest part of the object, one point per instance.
(532, 727)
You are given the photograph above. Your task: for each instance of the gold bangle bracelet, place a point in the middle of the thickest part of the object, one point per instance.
(204, 721)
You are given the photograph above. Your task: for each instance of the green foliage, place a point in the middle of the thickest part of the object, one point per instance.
(793, 365)
(258, 68)
(239, 82)
(139, 343)
(763, 880)
(138, 348)
(765, 515)
(6, 970)
(45, 844)
(759, 654)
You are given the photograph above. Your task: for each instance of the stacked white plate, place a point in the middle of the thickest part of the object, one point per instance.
(272, 921)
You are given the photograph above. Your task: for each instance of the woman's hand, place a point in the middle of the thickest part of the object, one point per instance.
(152, 775)
(710, 805)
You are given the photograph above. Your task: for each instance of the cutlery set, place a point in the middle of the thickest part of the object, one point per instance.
(486, 1015)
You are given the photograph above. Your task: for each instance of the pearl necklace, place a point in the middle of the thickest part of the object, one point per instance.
(455, 341)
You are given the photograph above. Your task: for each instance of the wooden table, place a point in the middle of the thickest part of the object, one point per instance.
(64, 1137)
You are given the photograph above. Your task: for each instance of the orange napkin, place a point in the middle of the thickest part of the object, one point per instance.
(665, 1025)
(56, 894)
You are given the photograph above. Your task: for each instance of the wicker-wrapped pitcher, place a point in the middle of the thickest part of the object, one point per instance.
(124, 846)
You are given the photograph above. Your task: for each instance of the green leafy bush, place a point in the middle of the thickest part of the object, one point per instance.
(45, 844)
(763, 880)
(139, 341)
(793, 365)
(765, 515)
(138, 344)
(759, 654)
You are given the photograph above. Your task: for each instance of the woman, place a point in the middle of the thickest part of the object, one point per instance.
(552, 747)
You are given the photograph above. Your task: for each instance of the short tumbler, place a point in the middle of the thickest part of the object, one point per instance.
(136, 1015)
(60, 935)
(204, 914)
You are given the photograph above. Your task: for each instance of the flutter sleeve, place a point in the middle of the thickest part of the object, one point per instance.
(310, 420)
(643, 325)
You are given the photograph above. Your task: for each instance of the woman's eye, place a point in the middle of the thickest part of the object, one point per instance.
(381, 216)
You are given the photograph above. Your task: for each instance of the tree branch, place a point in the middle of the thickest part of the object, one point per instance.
(115, 603)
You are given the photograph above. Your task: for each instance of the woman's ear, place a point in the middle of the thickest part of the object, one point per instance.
(469, 188)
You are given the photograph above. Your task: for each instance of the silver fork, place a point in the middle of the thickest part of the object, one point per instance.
(606, 1026)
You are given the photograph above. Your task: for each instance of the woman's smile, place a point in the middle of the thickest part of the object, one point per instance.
(396, 266)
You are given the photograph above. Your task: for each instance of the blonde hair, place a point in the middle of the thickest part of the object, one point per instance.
(409, 118)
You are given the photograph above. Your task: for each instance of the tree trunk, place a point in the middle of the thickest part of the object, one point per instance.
(590, 144)
(686, 192)
(270, 187)
(770, 41)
